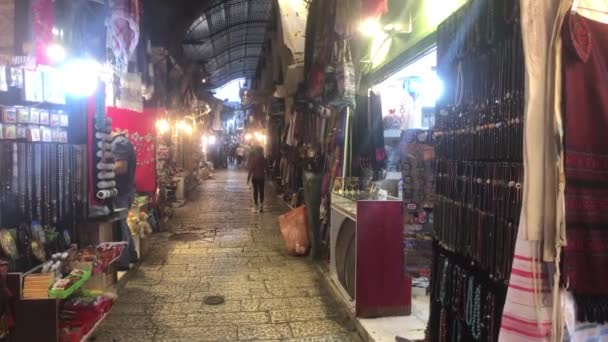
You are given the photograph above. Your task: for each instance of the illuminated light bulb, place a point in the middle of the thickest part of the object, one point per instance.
(80, 77)
(370, 27)
(56, 53)
(162, 126)
(183, 126)
(248, 137)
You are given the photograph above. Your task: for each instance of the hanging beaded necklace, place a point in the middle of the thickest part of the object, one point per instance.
(490, 308)
(38, 180)
(444, 280)
(476, 320)
(28, 183)
(443, 325)
(60, 184)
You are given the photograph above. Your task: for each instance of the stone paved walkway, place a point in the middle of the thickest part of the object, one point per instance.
(231, 252)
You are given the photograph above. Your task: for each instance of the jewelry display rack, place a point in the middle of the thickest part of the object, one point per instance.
(479, 172)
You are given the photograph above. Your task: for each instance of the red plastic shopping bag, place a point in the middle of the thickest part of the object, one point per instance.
(294, 228)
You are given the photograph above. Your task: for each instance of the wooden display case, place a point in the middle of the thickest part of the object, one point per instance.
(367, 256)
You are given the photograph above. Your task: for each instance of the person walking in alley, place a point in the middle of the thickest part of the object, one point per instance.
(124, 168)
(257, 176)
(240, 154)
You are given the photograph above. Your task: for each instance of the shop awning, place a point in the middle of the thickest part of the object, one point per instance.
(228, 38)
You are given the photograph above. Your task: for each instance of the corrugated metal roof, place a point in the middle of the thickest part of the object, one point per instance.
(228, 38)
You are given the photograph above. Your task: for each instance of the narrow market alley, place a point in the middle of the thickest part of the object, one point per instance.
(216, 245)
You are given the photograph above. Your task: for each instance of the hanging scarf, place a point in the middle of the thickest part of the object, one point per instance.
(123, 29)
(377, 130)
(528, 307)
(585, 120)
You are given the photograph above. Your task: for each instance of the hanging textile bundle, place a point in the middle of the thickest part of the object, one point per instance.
(123, 29)
(345, 73)
(373, 8)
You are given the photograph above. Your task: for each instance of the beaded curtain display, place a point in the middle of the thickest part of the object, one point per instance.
(42, 182)
(479, 169)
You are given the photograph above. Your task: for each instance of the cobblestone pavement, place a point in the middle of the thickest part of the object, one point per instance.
(233, 252)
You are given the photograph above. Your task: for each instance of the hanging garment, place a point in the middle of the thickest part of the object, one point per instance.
(347, 15)
(582, 331)
(585, 122)
(377, 129)
(373, 8)
(537, 19)
(123, 28)
(532, 310)
(528, 307)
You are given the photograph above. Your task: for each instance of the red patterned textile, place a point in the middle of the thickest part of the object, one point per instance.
(586, 163)
(140, 129)
(374, 8)
(43, 20)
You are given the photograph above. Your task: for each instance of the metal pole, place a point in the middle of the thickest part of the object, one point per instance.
(346, 146)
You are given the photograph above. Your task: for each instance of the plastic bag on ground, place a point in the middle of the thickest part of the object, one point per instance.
(294, 228)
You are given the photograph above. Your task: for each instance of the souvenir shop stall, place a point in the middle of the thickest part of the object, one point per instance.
(406, 101)
(57, 224)
(44, 170)
(355, 215)
(478, 148)
(179, 153)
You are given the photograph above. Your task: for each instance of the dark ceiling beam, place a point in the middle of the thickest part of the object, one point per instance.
(210, 25)
(226, 18)
(218, 82)
(231, 63)
(257, 23)
(231, 49)
(247, 32)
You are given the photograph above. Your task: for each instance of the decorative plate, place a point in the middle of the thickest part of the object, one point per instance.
(8, 244)
(38, 233)
(38, 251)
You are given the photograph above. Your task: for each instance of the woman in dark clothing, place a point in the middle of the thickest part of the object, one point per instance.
(257, 172)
